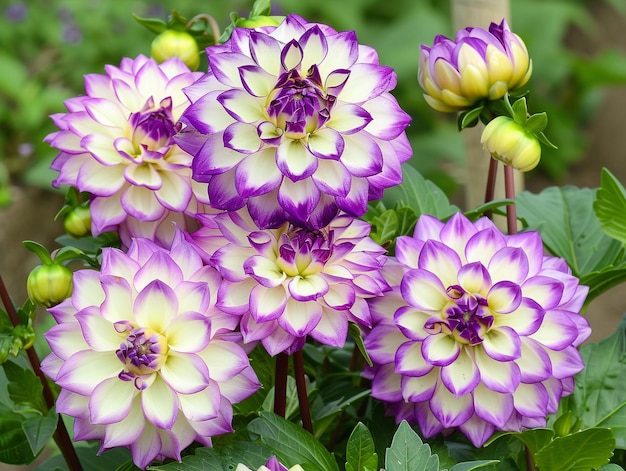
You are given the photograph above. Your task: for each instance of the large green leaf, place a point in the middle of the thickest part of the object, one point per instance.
(292, 444)
(599, 395)
(360, 451)
(569, 228)
(610, 206)
(39, 430)
(14, 446)
(409, 453)
(250, 454)
(422, 195)
(470, 465)
(581, 451)
(25, 389)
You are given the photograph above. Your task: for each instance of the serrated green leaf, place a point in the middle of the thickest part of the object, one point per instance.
(39, 430)
(292, 444)
(610, 206)
(469, 465)
(357, 336)
(360, 451)
(569, 228)
(384, 226)
(422, 195)
(409, 453)
(250, 454)
(581, 451)
(25, 389)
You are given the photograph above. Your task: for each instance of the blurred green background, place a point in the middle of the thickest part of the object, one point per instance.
(48, 45)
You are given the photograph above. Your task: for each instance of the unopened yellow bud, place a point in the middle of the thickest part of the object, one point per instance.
(171, 43)
(48, 285)
(260, 20)
(510, 143)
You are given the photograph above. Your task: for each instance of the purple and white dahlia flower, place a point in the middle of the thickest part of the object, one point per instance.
(478, 64)
(296, 122)
(117, 144)
(143, 357)
(289, 283)
(479, 332)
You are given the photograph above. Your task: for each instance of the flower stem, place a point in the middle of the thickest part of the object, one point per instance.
(490, 190)
(303, 399)
(509, 193)
(280, 384)
(61, 437)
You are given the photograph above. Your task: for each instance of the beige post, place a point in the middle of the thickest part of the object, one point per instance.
(480, 13)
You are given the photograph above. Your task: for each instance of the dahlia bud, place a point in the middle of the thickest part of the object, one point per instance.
(478, 64)
(49, 284)
(172, 43)
(258, 21)
(77, 222)
(509, 142)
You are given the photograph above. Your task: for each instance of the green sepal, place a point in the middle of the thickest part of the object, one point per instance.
(536, 123)
(520, 111)
(355, 333)
(177, 22)
(469, 118)
(39, 250)
(261, 8)
(479, 211)
(156, 25)
(544, 140)
(225, 36)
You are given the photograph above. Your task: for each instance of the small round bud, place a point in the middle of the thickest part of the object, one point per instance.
(172, 43)
(77, 222)
(48, 285)
(258, 21)
(510, 143)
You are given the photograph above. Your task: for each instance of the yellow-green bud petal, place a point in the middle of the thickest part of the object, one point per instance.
(510, 143)
(260, 20)
(48, 285)
(171, 43)
(77, 222)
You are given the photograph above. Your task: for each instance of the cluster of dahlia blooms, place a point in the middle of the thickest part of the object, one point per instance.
(236, 195)
(479, 332)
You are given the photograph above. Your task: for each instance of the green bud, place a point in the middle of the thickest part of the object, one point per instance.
(48, 285)
(260, 20)
(172, 43)
(77, 222)
(509, 142)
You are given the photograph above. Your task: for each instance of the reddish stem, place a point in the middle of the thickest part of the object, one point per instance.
(303, 399)
(509, 193)
(280, 384)
(490, 189)
(61, 437)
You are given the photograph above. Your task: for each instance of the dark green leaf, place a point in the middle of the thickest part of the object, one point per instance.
(409, 453)
(14, 447)
(406, 220)
(581, 451)
(25, 389)
(534, 439)
(384, 226)
(39, 430)
(610, 206)
(603, 280)
(469, 118)
(360, 452)
(292, 444)
(356, 335)
(569, 228)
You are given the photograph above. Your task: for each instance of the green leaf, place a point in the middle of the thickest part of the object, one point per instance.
(603, 280)
(25, 389)
(357, 336)
(534, 439)
(479, 211)
(39, 250)
(422, 195)
(569, 228)
(469, 118)
(261, 8)
(155, 25)
(406, 220)
(581, 451)
(409, 453)
(520, 111)
(384, 226)
(469, 465)
(611, 467)
(537, 122)
(39, 430)
(610, 206)
(360, 451)
(616, 421)
(291, 443)
(14, 446)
